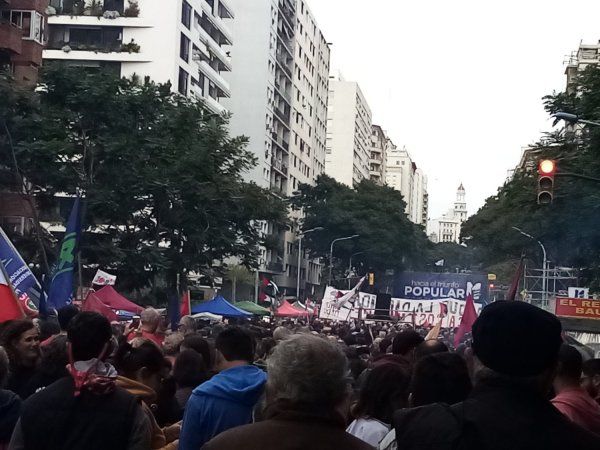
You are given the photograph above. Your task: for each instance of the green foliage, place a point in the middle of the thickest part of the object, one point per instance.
(376, 213)
(569, 226)
(161, 175)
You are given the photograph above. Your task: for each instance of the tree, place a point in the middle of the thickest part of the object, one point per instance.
(568, 227)
(161, 176)
(238, 274)
(376, 213)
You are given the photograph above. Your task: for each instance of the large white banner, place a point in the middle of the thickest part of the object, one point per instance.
(417, 312)
(333, 309)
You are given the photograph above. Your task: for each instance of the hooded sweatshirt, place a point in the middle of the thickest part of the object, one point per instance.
(223, 402)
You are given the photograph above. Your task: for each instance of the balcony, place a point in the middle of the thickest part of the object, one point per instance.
(286, 44)
(215, 77)
(279, 190)
(94, 55)
(214, 105)
(207, 39)
(126, 22)
(282, 115)
(217, 23)
(282, 92)
(278, 165)
(11, 37)
(274, 267)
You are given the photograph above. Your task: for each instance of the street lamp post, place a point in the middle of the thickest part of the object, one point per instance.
(331, 251)
(544, 264)
(300, 257)
(350, 265)
(574, 118)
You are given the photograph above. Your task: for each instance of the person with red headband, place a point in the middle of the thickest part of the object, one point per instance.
(85, 409)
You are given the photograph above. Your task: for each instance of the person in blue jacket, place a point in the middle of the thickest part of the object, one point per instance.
(228, 399)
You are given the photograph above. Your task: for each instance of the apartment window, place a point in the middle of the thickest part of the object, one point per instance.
(186, 14)
(182, 85)
(30, 22)
(184, 48)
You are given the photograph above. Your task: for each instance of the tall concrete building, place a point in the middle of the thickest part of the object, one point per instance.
(377, 159)
(403, 175)
(585, 55)
(348, 133)
(22, 25)
(186, 42)
(279, 89)
(447, 227)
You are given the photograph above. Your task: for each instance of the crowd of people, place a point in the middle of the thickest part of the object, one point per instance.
(78, 381)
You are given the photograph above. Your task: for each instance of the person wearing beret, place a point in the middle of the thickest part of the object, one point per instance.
(515, 350)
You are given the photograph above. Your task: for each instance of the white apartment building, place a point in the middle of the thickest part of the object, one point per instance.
(279, 89)
(348, 133)
(186, 42)
(377, 160)
(447, 227)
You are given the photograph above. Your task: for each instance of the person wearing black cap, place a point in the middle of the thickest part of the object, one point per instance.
(515, 348)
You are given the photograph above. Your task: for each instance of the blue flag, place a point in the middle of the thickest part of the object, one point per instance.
(26, 286)
(61, 287)
(173, 311)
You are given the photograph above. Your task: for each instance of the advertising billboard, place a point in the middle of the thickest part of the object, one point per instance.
(438, 286)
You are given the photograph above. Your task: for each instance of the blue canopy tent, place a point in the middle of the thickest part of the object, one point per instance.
(220, 307)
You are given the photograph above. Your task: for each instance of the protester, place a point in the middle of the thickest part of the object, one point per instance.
(85, 410)
(227, 399)
(430, 347)
(281, 334)
(172, 345)
(571, 399)
(385, 390)
(516, 348)
(200, 346)
(590, 379)
(52, 366)
(187, 326)
(20, 339)
(150, 320)
(64, 316)
(189, 372)
(10, 404)
(307, 397)
(141, 371)
(440, 378)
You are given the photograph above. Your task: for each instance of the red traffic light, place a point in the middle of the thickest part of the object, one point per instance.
(492, 286)
(547, 167)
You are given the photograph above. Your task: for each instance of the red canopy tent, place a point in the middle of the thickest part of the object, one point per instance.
(287, 310)
(93, 303)
(114, 300)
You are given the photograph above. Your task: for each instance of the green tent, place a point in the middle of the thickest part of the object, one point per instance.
(253, 308)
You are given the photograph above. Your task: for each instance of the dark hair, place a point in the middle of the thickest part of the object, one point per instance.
(384, 344)
(570, 362)
(199, 345)
(55, 358)
(128, 360)
(11, 333)
(440, 378)
(48, 328)
(430, 347)
(591, 367)
(65, 314)
(235, 344)
(189, 369)
(265, 347)
(405, 341)
(385, 390)
(88, 333)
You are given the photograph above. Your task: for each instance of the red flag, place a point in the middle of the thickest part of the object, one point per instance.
(93, 303)
(9, 306)
(512, 292)
(186, 308)
(466, 322)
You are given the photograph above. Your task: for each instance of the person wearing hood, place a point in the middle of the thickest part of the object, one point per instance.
(85, 409)
(141, 371)
(228, 399)
(10, 404)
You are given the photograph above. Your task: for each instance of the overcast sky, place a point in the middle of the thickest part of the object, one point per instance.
(458, 82)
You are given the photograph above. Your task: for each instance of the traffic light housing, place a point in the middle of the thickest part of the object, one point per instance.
(545, 184)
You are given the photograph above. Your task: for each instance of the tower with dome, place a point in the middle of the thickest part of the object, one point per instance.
(447, 227)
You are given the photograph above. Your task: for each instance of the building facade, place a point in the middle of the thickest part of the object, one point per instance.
(22, 25)
(279, 89)
(349, 128)
(447, 227)
(377, 159)
(186, 42)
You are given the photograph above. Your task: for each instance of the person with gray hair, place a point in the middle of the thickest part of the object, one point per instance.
(149, 322)
(307, 396)
(187, 325)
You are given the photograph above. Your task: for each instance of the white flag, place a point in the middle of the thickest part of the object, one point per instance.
(349, 296)
(439, 263)
(102, 278)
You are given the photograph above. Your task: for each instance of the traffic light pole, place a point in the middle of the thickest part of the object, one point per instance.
(577, 175)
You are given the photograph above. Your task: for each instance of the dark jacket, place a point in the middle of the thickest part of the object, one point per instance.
(290, 427)
(10, 410)
(54, 419)
(497, 416)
